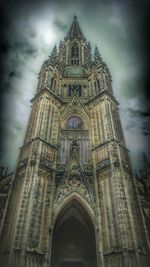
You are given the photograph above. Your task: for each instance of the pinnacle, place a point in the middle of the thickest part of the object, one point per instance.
(54, 56)
(97, 56)
(75, 31)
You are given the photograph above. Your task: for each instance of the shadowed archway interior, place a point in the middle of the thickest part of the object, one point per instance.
(73, 243)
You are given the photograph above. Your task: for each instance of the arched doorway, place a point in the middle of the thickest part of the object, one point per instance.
(73, 242)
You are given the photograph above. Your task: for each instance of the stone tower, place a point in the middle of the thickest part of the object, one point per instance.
(73, 201)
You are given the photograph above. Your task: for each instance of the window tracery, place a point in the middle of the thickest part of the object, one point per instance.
(75, 122)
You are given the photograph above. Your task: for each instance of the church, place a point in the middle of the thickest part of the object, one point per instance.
(73, 200)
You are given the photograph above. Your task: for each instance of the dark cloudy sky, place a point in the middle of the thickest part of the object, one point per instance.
(29, 31)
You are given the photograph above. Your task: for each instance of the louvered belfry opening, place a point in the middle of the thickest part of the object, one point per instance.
(73, 243)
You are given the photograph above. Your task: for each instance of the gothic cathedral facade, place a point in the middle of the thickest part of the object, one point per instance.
(73, 200)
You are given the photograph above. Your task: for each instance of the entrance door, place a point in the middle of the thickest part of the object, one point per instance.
(73, 243)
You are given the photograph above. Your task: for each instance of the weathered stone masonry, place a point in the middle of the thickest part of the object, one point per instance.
(73, 201)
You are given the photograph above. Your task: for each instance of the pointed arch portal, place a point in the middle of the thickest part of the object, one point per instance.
(73, 242)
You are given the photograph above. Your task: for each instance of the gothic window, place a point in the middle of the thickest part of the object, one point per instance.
(52, 80)
(75, 55)
(75, 89)
(79, 90)
(75, 123)
(98, 84)
(95, 85)
(41, 79)
(75, 62)
(48, 78)
(75, 51)
(69, 90)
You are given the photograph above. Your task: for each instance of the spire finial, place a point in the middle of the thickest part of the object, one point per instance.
(75, 31)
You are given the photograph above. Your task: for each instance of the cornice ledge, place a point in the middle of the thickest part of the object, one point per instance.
(101, 94)
(46, 89)
(40, 139)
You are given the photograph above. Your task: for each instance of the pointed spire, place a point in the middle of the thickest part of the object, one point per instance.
(97, 56)
(75, 31)
(54, 56)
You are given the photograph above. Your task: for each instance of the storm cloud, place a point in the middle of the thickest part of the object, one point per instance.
(32, 28)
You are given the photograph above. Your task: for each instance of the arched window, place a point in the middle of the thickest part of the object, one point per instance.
(95, 85)
(75, 122)
(75, 89)
(69, 90)
(75, 54)
(98, 84)
(75, 51)
(79, 90)
(52, 80)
